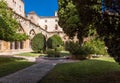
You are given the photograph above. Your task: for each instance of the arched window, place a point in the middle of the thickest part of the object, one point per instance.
(32, 32)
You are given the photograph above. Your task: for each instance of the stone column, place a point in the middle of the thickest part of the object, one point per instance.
(18, 45)
(0, 45)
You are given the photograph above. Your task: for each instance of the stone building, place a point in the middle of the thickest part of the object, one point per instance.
(30, 25)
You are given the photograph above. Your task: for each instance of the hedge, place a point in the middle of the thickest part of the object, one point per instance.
(39, 42)
(54, 41)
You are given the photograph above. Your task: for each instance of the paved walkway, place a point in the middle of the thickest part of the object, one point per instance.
(34, 73)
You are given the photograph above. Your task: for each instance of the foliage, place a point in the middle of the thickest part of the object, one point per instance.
(87, 71)
(60, 48)
(9, 25)
(97, 45)
(78, 52)
(70, 22)
(71, 46)
(53, 53)
(107, 26)
(11, 65)
(54, 41)
(38, 43)
(109, 30)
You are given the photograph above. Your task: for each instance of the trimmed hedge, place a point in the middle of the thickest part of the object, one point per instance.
(54, 41)
(39, 43)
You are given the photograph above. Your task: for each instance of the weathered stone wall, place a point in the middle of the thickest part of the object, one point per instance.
(17, 6)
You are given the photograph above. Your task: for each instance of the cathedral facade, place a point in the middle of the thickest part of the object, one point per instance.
(31, 25)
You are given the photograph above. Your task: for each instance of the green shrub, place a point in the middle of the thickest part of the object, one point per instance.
(50, 52)
(77, 51)
(97, 46)
(54, 41)
(38, 43)
(53, 53)
(60, 48)
(71, 47)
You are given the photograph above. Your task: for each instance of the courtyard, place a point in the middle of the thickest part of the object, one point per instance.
(100, 70)
(78, 43)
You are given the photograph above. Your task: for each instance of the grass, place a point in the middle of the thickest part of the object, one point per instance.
(101, 70)
(33, 54)
(30, 54)
(65, 53)
(11, 65)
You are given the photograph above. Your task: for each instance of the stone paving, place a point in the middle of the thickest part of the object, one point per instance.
(34, 73)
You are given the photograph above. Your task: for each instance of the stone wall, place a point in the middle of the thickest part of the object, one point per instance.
(17, 6)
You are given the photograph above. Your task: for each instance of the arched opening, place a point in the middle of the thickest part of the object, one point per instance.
(11, 45)
(16, 44)
(21, 44)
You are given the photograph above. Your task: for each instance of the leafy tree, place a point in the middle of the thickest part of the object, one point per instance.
(109, 30)
(38, 42)
(54, 41)
(107, 26)
(70, 22)
(9, 25)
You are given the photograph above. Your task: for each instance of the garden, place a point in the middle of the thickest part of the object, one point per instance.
(54, 47)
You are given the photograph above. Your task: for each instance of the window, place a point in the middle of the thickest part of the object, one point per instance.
(20, 8)
(14, 2)
(45, 20)
(56, 27)
(56, 20)
(45, 27)
(31, 17)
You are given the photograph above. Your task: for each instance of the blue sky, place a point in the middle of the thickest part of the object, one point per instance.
(41, 7)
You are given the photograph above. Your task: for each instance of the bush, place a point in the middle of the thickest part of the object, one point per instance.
(54, 41)
(77, 51)
(39, 43)
(97, 46)
(60, 48)
(71, 47)
(53, 53)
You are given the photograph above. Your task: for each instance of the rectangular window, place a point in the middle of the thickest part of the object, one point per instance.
(56, 27)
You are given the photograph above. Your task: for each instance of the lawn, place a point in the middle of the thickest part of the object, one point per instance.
(101, 70)
(11, 65)
(64, 53)
(30, 54)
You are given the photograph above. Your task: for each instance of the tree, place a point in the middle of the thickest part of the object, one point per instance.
(54, 41)
(9, 25)
(107, 26)
(39, 42)
(70, 22)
